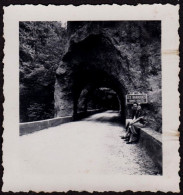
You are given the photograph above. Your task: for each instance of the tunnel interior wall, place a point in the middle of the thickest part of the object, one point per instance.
(125, 56)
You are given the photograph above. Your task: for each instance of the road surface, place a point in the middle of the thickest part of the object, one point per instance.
(90, 146)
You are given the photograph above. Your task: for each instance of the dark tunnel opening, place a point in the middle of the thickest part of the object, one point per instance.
(98, 99)
(102, 105)
(97, 91)
(105, 99)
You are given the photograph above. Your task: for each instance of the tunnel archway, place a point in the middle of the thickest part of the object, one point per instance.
(90, 63)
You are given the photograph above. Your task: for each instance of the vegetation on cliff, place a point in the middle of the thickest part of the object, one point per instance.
(42, 45)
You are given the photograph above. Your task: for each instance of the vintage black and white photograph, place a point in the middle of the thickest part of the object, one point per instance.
(97, 85)
(93, 102)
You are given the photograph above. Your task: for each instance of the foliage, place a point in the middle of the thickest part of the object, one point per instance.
(42, 45)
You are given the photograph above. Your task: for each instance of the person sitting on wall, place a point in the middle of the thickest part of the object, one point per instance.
(132, 133)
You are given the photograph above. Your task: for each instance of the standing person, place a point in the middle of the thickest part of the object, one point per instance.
(132, 133)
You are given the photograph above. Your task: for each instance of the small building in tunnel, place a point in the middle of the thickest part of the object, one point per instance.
(121, 56)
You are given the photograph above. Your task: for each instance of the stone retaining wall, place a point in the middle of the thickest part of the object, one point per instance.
(152, 142)
(30, 127)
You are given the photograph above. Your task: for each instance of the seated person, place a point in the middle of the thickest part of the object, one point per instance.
(132, 133)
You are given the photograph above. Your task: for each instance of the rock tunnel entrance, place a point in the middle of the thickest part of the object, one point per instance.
(89, 65)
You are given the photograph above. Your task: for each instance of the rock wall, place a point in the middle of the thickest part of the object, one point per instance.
(124, 56)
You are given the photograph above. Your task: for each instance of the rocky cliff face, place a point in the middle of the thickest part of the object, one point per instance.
(42, 45)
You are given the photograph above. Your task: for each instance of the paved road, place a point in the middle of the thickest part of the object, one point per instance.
(92, 145)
